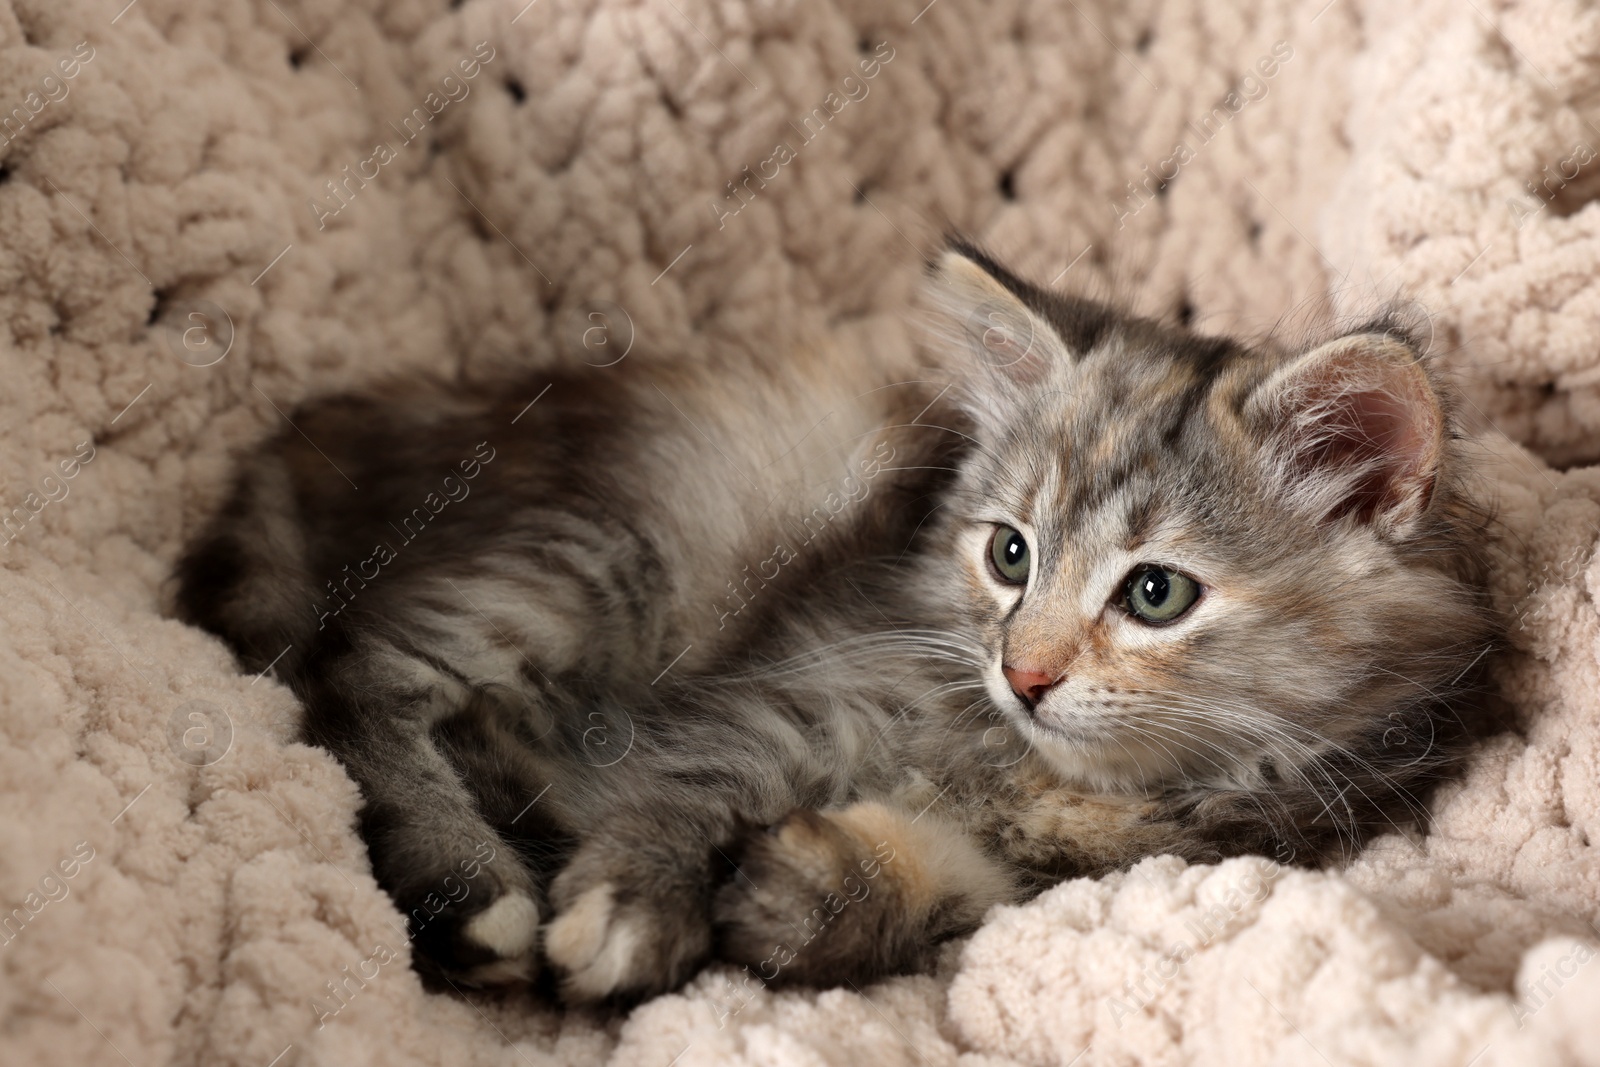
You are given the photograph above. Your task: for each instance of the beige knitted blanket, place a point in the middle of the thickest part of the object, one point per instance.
(210, 209)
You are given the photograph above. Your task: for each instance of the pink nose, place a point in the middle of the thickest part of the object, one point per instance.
(1027, 684)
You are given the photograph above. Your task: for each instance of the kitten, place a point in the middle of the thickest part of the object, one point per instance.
(803, 665)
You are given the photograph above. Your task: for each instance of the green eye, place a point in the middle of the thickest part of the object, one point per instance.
(1160, 594)
(1009, 553)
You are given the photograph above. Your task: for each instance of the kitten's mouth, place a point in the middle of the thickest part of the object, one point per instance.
(1056, 719)
(1100, 750)
(1078, 727)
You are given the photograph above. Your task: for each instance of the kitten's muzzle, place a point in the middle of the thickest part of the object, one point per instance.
(1029, 685)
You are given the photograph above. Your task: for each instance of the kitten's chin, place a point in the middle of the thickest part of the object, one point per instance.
(1098, 760)
(1091, 749)
(1096, 752)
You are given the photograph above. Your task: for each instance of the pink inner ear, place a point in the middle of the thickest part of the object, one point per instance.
(1389, 426)
(1028, 368)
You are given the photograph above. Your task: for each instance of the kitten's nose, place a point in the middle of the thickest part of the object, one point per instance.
(1029, 685)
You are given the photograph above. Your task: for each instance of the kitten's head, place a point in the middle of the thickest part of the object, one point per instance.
(1190, 561)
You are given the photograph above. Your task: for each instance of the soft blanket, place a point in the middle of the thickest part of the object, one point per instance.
(211, 210)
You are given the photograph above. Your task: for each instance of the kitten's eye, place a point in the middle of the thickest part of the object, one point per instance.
(1010, 556)
(1159, 594)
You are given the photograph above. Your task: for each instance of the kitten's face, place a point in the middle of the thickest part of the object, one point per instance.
(1174, 574)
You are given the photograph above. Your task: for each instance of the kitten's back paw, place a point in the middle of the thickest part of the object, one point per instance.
(625, 937)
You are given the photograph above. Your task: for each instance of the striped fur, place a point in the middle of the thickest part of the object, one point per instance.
(708, 657)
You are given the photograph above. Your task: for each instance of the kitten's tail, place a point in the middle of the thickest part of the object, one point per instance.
(246, 578)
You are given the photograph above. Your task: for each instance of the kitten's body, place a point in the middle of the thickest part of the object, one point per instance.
(673, 606)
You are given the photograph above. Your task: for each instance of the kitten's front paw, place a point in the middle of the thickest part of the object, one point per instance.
(626, 930)
(509, 930)
(490, 936)
(811, 903)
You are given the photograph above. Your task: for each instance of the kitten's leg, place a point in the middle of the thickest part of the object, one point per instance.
(471, 904)
(632, 909)
(633, 906)
(854, 893)
(492, 744)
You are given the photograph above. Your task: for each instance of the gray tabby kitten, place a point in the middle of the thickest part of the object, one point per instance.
(798, 664)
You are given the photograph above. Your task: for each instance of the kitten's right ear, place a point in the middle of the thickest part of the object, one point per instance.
(979, 314)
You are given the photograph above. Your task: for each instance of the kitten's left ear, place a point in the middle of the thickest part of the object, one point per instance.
(1356, 429)
(980, 310)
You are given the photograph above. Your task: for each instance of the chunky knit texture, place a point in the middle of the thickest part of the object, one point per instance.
(181, 169)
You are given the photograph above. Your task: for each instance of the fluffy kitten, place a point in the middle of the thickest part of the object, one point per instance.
(802, 665)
